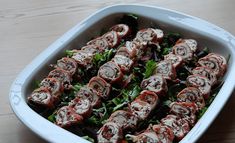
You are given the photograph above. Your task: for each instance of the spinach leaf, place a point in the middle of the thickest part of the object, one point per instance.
(52, 117)
(149, 68)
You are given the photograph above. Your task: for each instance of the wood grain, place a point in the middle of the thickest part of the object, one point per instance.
(27, 27)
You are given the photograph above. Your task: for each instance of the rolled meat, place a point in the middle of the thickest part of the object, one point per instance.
(67, 64)
(145, 137)
(155, 83)
(90, 49)
(124, 119)
(222, 61)
(191, 95)
(81, 106)
(100, 42)
(166, 69)
(110, 133)
(190, 42)
(123, 62)
(86, 92)
(122, 30)
(176, 60)
(42, 97)
(63, 76)
(112, 38)
(200, 82)
(207, 72)
(164, 133)
(66, 117)
(141, 109)
(182, 49)
(212, 63)
(184, 110)
(146, 36)
(110, 72)
(150, 97)
(100, 86)
(83, 58)
(180, 127)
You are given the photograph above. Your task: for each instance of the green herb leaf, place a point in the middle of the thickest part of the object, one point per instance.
(149, 68)
(77, 87)
(99, 59)
(201, 112)
(52, 118)
(89, 139)
(69, 53)
(133, 16)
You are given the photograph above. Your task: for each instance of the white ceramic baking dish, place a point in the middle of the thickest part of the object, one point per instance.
(215, 38)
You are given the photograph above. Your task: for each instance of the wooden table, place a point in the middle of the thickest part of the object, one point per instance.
(27, 27)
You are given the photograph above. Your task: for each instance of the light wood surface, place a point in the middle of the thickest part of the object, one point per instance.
(27, 27)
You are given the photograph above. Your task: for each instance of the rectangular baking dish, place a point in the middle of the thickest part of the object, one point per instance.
(215, 38)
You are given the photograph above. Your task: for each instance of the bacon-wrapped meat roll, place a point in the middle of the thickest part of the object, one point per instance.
(190, 42)
(66, 117)
(180, 127)
(160, 34)
(124, 119)
(122, 30)
(53, 85)
(164, 133)
(67, 64)
(110, 72)
(212, 63)
(176, 60)
(81, 106)
(184, 110)
(141, 109)
(110, 133)
(90, 49)
(41, 97)
(155, 83)
(200, 82)
(83, 58)
(166, 69)
(100, 42)
(101, 86)
(123, 62)
(86, 92)
(112, 38)
(207, 72)
(182, 49)
(148, 96)
(222, 61)
(145, 137)
(191, 95)
(63, 76)
(146, 36)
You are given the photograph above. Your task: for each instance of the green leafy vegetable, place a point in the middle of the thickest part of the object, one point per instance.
(88, 138)
(133, 16)
(36, 84)
(69, 53)
(77, 86)
(99, 115)
(149, 68)
(99, 59)
(201, 112)
(52, 118)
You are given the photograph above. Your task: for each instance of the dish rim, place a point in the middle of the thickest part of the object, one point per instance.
(21, 109)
